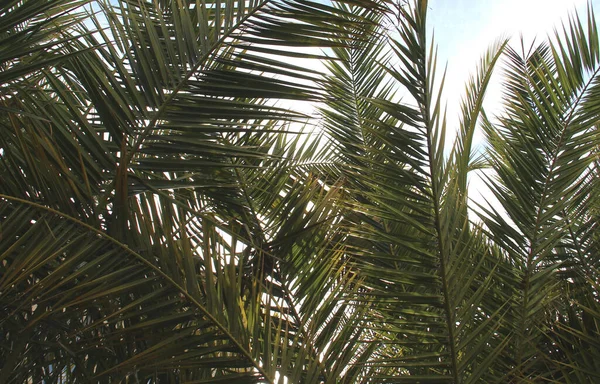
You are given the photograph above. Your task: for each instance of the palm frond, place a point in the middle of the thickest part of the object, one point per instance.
(421, 267)
(541, 151)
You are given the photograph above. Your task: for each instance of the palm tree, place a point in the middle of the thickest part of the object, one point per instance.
(166, 217)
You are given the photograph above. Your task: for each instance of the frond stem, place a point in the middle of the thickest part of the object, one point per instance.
(154, 268)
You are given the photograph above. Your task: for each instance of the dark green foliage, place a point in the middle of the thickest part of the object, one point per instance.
(169, 214)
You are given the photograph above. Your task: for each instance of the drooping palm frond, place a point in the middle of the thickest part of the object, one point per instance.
(169, 194)
(33, 37)
(81, 306)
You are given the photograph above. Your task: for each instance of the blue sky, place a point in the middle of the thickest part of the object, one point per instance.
(464, 29)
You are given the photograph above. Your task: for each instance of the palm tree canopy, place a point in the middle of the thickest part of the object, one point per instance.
(169, 211)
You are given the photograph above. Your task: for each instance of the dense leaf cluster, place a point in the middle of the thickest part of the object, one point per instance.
(168, 212)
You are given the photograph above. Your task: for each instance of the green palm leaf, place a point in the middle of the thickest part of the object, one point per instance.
(423, 269)
(541, 153)
(169, 214)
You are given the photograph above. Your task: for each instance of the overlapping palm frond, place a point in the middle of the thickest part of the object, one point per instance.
(81, 306)
(156, 193)
(422, 269)
(33, 37)
(543, 151)
(165, 217)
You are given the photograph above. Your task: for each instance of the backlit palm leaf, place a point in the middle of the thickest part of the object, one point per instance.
(542, 150)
